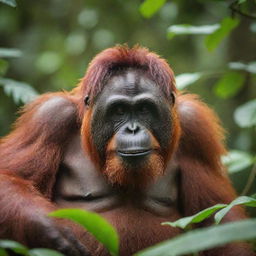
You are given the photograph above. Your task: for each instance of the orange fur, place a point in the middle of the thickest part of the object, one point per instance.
(87, 140)
(118, 173)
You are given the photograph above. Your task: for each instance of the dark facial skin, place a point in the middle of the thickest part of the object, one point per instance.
(131, 106)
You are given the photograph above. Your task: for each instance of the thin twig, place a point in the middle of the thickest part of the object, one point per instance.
(250, 180)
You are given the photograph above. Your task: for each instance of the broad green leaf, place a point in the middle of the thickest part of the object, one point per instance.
(18, 90)
(44, 252)
(202, 239)
(93, 223)
(3, 67)
(14, 246)
(226, 26)
(10, 53)
(200, 216)
(229, 84)
(245, 115)
(237, 160)
(244, 200)
(186, 29)
(3, 252)
(250, 67)
(186, 79)
(9, 2)
(149, 7)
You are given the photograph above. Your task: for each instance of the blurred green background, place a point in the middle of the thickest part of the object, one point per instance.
(58, 38)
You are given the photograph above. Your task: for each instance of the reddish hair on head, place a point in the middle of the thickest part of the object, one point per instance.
(103, 66)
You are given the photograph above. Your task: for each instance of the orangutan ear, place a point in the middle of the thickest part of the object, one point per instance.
(87, 100)
(173, 97)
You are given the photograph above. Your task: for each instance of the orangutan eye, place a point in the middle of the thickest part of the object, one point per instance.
(144, 109)
(120, 110)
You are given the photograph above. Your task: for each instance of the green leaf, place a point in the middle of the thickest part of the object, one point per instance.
(10, 53)
(237, 161)
(244, 200)
(93, 223)
(250, 67)
(9, 2)
(229, 85)
(199, 217)
(44, 252)
(245, 115)
(186, 79)
(214, 39)
(186, 29)
(149, 7)
(18, 90)
(14, 246)
(3, 252)
(202, 239)
(3, 67)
